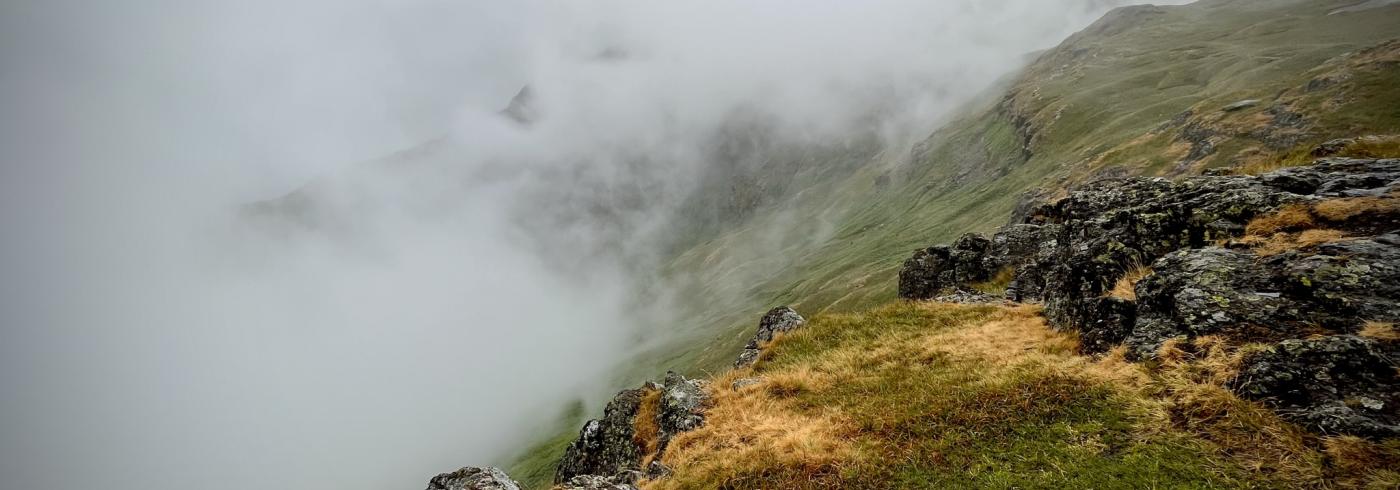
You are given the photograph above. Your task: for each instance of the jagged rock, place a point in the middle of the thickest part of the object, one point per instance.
(747, 357)
(963, 296)
(744, 382)
(625, 481)
(681, 407)
(607, 450)
(780, 319)
(1215, 290)
(605, 446)
(1338, 385)
(1069, 253)
(469, 478)
(921, 277)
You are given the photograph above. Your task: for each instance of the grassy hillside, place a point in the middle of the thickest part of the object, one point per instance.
(1134, 94)
(1141, 92)
(926, 395)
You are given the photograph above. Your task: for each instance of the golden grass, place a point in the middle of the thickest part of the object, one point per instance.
(1192, 378)
(1125, 287)
(754, 431)
(1346, 209)
(1293, 217)
(646, 429)
(1381, 331)
(1283, 242)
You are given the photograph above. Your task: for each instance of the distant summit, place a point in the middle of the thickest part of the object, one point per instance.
(522, 107)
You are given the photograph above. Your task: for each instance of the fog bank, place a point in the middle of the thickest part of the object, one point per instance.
(426, 310)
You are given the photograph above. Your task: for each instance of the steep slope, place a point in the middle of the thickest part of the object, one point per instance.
(1243, 85)
(1141, 92)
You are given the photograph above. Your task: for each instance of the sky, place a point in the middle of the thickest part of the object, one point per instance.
(440, 307)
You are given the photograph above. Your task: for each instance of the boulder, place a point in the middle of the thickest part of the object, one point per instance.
(922, 276)
(605, 446)
(607, 450)
(1340, 384)
(682, 407)
(470, 478)
(780, 319)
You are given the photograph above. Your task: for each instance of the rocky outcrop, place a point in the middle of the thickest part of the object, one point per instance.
(605, 446)
(609, 452)
(489, 478)
(681, 408)
(1070, 253)
(777, 320)
(1338, 384)
(624, 481)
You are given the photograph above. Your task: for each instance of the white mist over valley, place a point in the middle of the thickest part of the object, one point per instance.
(260, 245)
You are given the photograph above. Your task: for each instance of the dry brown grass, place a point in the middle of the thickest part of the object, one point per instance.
(1347, 209)
(1298, 226)
(1381, 331)
(1284, 242)
(1293, 217)
(646, 430)
(1360, 463)
(755, 431)
(1126, 285)
(1192, 378)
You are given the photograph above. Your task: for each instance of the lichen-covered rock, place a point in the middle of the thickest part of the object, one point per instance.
(1332, 288)
(470, 478)
(780, 319)
(625, 481)
(922, 276)
(605, 446)
(1069, 254)
(607, 450)
(1340, 384)
(1356, 278)
(681, 409)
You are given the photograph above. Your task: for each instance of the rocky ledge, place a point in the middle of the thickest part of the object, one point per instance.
(625, 446)
(1302, 258)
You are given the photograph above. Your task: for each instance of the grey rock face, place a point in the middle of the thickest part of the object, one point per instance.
(605, 446)
(469, 478)
(682, 407)
(1337, 385)
(607, 451)
(1069, 254)
(780, 319)
(594, 482)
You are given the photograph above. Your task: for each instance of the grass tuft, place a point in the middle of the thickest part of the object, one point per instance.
(1125, 287)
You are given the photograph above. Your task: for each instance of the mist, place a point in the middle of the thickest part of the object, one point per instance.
(444, 281)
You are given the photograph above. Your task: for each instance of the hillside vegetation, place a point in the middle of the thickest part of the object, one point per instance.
(1240, 85)
(1140, 92)
(935, 395)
